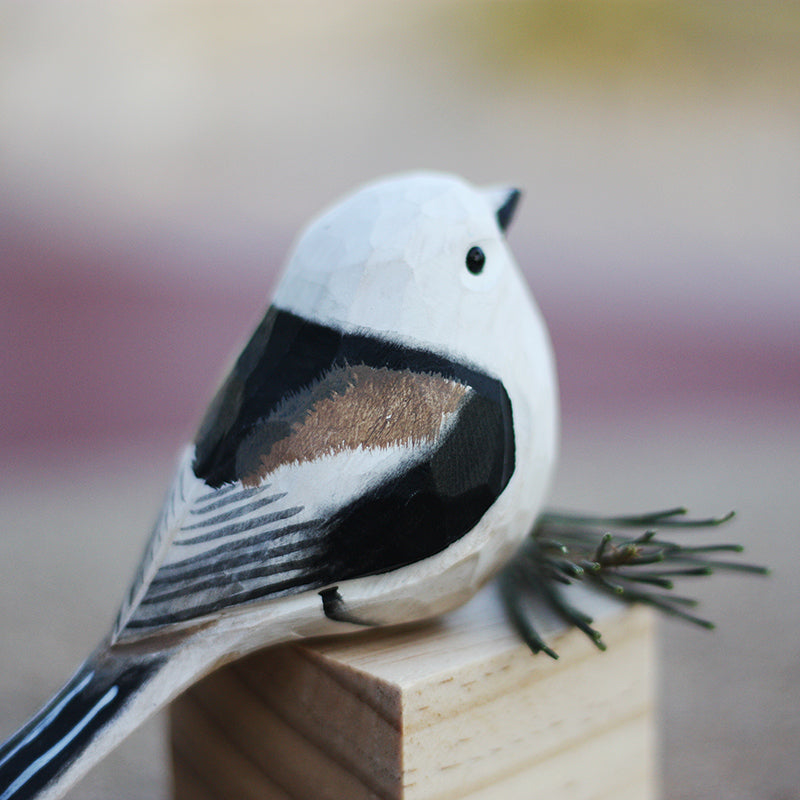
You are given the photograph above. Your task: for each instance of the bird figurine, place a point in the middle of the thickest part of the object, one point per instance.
(379, 450)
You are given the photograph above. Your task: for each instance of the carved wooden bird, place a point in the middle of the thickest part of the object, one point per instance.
(379, 450)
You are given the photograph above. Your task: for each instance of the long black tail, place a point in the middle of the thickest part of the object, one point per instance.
(34, 758)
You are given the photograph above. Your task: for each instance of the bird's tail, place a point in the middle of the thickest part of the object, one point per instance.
(63, 740)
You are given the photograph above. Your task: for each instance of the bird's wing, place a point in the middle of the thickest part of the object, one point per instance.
(326, 456)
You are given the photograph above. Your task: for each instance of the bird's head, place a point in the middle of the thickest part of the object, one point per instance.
(422, 259)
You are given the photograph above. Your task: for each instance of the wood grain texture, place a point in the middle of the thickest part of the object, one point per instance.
(454, 709)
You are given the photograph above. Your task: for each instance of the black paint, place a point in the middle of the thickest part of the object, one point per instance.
(231, 499)
(334, 607)
(293, 585)
(285, 355)
(475, 260)
(65, 732)
(271, 542)
(506, 212)
(237, 527)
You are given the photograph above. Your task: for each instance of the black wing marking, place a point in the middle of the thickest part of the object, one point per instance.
(287, 356)
(228, 550)
(421, 511)
(238, 543)
(414, 515)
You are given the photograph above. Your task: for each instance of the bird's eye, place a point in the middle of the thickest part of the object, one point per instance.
(476, 258)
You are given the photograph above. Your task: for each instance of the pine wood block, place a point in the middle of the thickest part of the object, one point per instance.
(458, 708)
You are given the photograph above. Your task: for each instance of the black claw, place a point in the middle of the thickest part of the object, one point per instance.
(335, 608)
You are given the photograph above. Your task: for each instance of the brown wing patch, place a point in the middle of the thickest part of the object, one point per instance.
(359, 406)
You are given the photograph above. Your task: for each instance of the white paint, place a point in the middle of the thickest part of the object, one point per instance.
(48, 718)
(45, 759)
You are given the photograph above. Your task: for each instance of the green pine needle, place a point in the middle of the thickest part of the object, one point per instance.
(563, 548)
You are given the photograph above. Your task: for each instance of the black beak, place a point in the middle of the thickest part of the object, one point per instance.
(506, 211)
(504, 200)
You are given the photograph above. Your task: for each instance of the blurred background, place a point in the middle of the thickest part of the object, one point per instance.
(156, 161)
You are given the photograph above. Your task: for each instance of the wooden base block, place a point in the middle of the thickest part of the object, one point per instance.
(458, 708)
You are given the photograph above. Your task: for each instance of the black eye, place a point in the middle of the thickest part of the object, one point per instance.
(476, 258)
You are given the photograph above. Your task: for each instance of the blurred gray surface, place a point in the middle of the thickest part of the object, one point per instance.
(73, 526)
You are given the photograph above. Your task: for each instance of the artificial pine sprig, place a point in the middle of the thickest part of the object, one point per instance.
(563, 548)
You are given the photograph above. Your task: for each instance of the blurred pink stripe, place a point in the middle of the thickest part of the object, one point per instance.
(89, 353)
